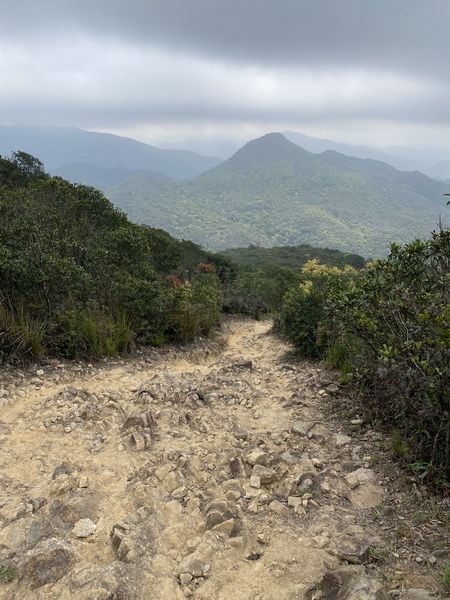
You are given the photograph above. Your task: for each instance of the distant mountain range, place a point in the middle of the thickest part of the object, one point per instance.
(434, 162)
(99, 159)
(274, 193)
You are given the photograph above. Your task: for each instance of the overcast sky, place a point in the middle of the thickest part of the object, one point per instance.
(193, 73)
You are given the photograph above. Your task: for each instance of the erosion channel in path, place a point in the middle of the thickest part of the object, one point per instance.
(210, 473)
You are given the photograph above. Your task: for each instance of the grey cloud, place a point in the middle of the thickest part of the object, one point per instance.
(209, 65)
(406, 35)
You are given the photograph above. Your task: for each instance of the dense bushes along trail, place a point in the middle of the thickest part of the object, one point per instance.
(214, 471)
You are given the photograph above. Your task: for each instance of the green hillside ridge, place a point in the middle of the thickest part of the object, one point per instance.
(273, 193)
(101, 178)
(292, 257)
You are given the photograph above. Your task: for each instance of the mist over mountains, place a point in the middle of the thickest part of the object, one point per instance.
(432, 161)
(274, 193)
(99, 159)
(271, 192)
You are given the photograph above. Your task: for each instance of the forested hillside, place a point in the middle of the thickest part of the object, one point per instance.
(78, 278)
(273, 193)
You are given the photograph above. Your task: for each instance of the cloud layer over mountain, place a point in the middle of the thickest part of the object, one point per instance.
(172, 71)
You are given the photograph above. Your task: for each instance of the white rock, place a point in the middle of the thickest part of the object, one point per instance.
(84, 528)
(193, 564)
(339, 440)
(185, 578)
(257, 457)
(255, 482)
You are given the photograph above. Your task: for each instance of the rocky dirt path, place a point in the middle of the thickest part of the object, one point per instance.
(213, 472)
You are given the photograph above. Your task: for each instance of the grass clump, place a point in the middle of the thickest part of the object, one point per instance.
(7, 574)
(445, 575)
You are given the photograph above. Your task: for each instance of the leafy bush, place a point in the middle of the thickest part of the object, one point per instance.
(20, 334)
(400, 313)
(292, 257)
(258, 291)
(194, 308)
(387, 329)
(303, 317)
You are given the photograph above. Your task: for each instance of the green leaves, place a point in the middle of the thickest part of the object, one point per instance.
(400, 312)
(73, 263)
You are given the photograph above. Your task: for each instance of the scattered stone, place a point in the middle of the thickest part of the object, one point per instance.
(180, 493)
(279, 508)
(338, 440)
(353, 550)
(173, 481)
(193, 564)
(257, 457)
(351, 583)
(138, 442)
(66, 468)
(84, 528)
(163, 471)
(243, 364)
(306, 485)
(215, 485)
(332, 389)
(240, 434)
(352, 480)
(217, 511)
(185, 578)
(296, 503)
(237, 467)
(365, 475)
(69, 389)
(265, 474)
(38, 503)
(418, 594)
(255, 482)
(298, 430)
(226, 527)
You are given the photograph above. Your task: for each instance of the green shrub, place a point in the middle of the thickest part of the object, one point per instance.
(303, 317)
(194, 309)
(400, 313)
(255, 292)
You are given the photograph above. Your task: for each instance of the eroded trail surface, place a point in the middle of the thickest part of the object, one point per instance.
(210, 474)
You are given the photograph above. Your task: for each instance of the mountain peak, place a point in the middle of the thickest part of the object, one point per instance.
(271, 148)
